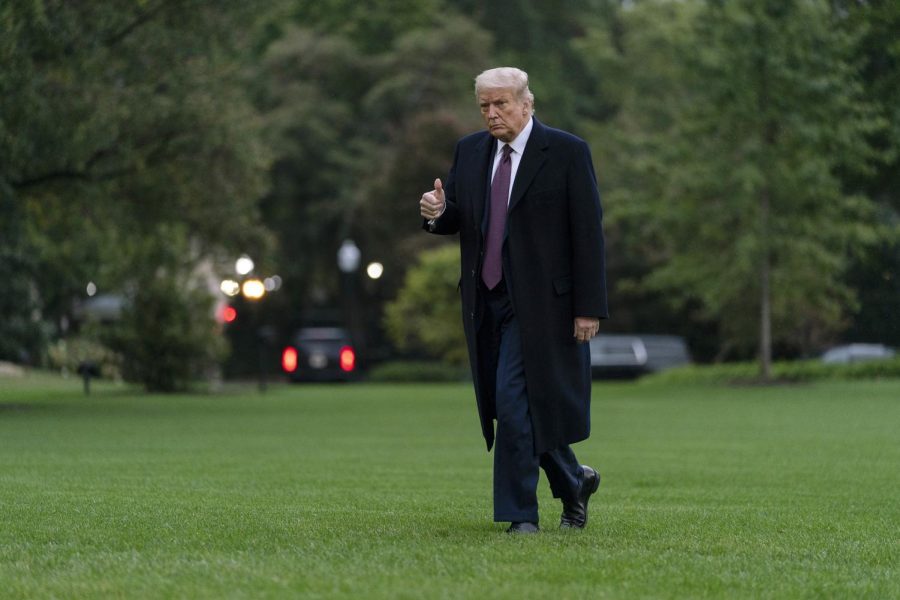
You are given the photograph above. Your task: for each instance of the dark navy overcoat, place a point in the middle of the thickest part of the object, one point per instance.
(553, 265)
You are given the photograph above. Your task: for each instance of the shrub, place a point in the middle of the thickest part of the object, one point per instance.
(167, 336)
(66, 354)
(786, 371)
(426, 316)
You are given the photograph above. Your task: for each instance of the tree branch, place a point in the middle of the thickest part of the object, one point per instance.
(83, 174)
(157, 153)
(140, 20)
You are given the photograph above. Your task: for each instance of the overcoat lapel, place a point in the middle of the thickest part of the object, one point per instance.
(532, 160)
(482, 179)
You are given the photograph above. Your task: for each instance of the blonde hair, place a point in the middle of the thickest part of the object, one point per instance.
(505, 77)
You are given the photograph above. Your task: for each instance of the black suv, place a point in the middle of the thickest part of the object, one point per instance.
(320, 354)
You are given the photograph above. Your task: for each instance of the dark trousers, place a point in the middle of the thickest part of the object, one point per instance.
(516, 468)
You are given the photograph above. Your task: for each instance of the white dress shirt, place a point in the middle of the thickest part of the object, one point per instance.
(515, 157)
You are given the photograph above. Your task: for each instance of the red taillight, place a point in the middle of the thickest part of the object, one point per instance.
(348, 359)
(229, 314)
(289, 359)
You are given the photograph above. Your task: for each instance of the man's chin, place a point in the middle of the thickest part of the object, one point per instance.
(501, 133)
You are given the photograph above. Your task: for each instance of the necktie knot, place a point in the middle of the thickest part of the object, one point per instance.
(507, 150)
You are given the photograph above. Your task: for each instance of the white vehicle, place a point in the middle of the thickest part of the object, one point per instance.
(857, 353)
(629, 356)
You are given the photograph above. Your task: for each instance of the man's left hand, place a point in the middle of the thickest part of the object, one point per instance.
(586, 328)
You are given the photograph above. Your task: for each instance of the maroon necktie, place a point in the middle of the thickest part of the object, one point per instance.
(492, 268)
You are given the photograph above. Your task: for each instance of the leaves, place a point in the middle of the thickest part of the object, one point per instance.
(426, 313)
(760, 110)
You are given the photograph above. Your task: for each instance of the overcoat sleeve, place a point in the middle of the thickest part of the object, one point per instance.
(585, 221)
(448, 222)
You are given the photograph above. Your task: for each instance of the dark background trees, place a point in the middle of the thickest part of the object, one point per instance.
(130, 130)
(126, 132)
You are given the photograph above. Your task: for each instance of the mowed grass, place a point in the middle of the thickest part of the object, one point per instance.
(384, 491)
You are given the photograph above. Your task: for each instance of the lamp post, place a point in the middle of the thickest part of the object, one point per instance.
(253, 290)
(348, 256)
(249, 288)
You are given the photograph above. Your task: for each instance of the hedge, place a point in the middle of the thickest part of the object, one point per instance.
(785, 371)
(417, 371)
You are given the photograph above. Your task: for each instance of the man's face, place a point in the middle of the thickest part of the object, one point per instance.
(504, 115)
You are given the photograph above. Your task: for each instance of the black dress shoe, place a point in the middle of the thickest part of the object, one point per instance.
(575, 514)
(523, 527)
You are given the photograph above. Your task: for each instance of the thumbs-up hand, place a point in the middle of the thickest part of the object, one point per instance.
(431, 206)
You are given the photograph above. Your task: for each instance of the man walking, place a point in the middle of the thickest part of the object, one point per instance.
(523, 198)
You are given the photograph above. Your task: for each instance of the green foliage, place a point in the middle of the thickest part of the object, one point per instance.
(21, 333)
(541, 37)
(417, 371)
(875, 276)
(734, 202)
(425, 316)
(785, 371)
(117, 119)
(67, 354)
(369, 26)
(730, 138)
(168, 337)
(360, 127)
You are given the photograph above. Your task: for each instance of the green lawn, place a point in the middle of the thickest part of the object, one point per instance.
(383, 491)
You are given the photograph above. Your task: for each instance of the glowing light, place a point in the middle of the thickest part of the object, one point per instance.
(230, 287)
(253, 289)
(91, 288)
(375, 270)
(272, 283)
(348, 359)
(243, 265)
(348, 256)
(229, 314)
(289, 359)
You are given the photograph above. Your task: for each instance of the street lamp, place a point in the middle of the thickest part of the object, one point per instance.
(375, 270)
(230, 287)
(348, 257)
(348, 262)
(243, 265)
(253, 289)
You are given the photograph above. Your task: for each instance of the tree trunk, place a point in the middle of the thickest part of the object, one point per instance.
(769, 137)
(765, 294)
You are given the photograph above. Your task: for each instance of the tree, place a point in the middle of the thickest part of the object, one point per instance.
(632, 53)
(117, 119)
(360, 128)
(168, 336)
(542, 37)
(737, 196)
(21, 335)
(875, 276)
